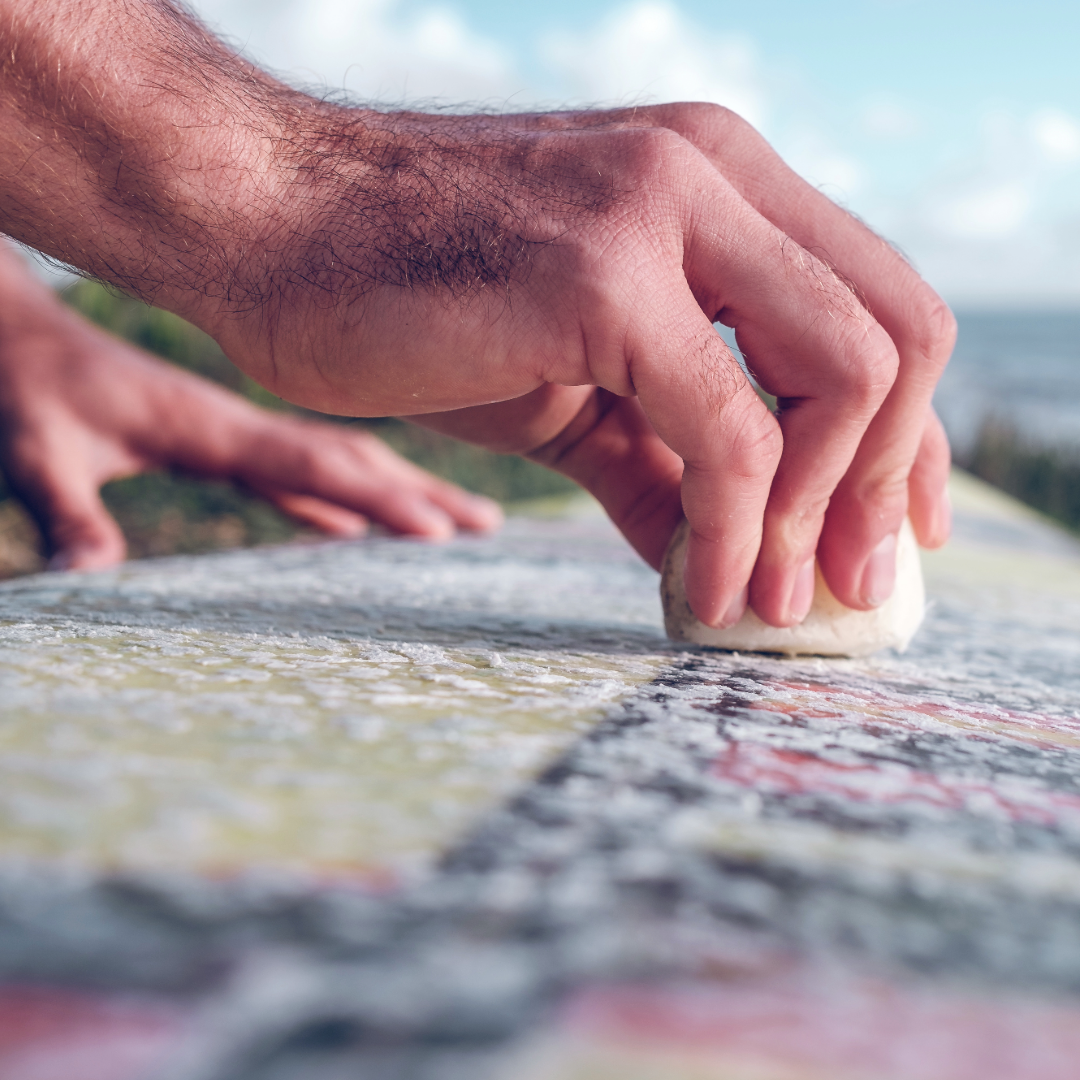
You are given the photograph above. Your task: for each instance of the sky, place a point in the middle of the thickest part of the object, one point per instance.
(951, 127)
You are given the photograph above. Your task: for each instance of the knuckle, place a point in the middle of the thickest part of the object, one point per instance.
(661, 160)
(868, 372)
(933, 329)
(757, 445)
(714, 128)
(703, 118)
(659, 147)
(884, 496)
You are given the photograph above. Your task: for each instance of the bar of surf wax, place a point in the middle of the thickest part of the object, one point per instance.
(831, 629)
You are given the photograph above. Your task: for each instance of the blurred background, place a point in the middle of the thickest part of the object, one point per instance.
(951, 127)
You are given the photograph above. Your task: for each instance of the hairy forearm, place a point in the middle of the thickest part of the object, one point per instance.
(148, 154)
(132, 143)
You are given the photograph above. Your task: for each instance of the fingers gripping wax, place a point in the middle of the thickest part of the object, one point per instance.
(829, 630)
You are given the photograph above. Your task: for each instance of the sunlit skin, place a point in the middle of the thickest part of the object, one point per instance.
(545, 284)
(79, 407)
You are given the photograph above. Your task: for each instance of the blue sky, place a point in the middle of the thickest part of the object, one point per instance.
(951, 50)
(952, 127)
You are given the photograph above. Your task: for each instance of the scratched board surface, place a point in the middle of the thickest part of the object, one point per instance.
(390, 810)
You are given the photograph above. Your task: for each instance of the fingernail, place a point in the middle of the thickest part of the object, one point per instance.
(736, 610)
(879, 573)
(802, 592)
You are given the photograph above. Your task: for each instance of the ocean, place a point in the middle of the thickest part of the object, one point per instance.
(1019, 368)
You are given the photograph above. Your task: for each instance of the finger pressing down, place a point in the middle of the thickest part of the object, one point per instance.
(928, 486)
(702, 406)
(757, 487)
(901, 455)
(866, 511)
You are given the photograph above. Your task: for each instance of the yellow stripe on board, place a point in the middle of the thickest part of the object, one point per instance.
(149, 748)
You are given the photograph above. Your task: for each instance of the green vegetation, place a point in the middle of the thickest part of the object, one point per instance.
(1045, 478)
(163, 514)
(165, 335)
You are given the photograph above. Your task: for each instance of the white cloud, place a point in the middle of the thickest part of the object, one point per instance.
(988, 214)
(817, 157)
(372, 48)
(1057, 134)
(889, 119)
(650, 51)
(642, 51)
(1001, 225)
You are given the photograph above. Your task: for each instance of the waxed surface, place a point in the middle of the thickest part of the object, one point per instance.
(388, 810)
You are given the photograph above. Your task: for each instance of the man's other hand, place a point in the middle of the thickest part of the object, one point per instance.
(79, 407)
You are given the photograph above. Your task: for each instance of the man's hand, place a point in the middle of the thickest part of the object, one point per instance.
(555, 275)
(607, 443)
(79, 407)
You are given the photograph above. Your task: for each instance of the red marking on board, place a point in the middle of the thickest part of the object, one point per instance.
(788, 772)
(55, 1034)
(825, 1024)
(828, 702)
